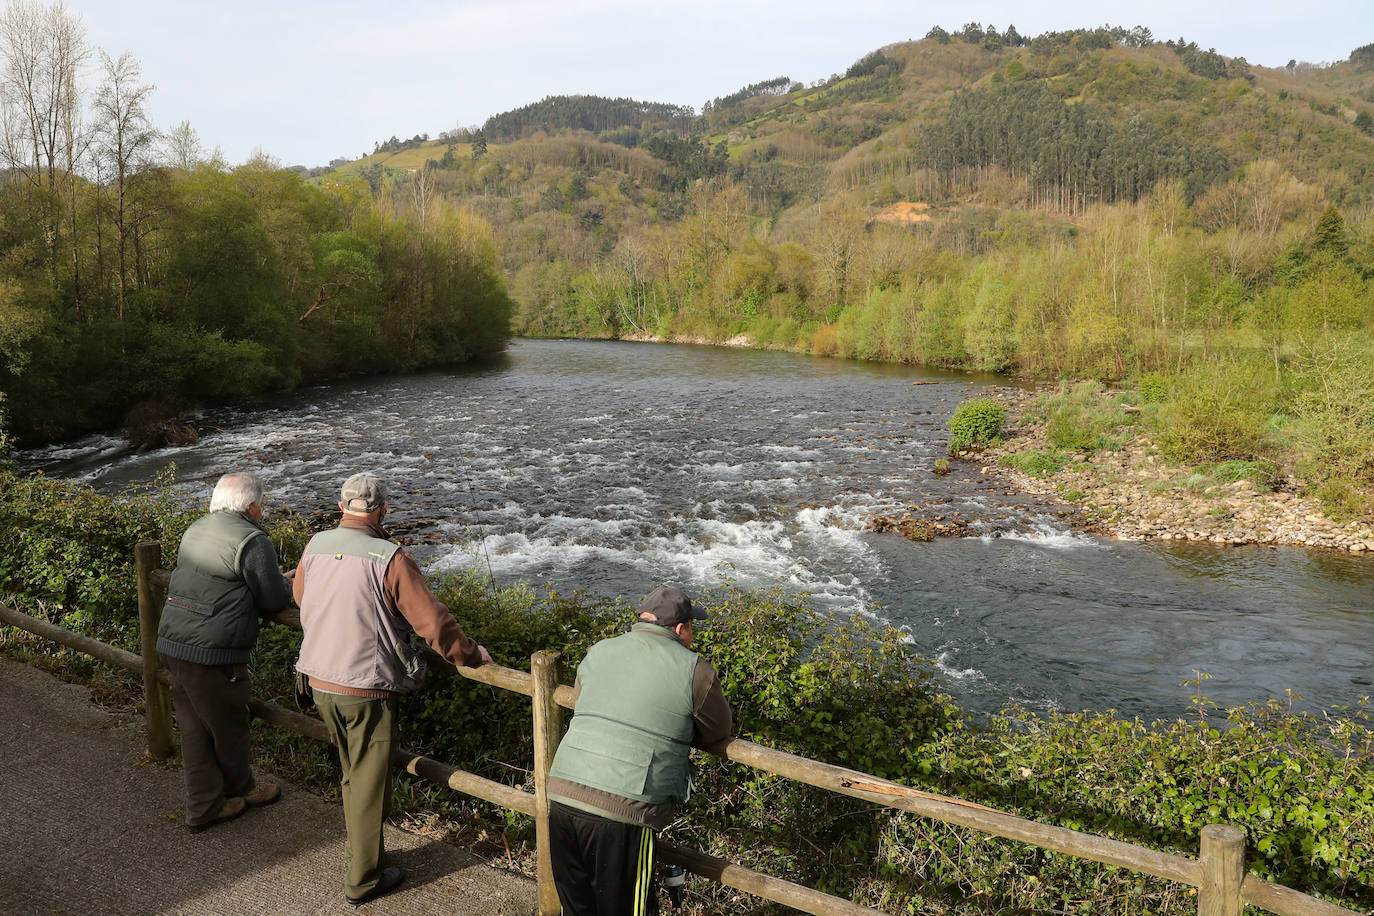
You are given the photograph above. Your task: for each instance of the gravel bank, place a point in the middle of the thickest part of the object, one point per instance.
(1134, 494)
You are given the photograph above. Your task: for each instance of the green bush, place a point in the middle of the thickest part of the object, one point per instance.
(1300, 785)
(1263, 474)
(67, 553)
(1343, 500)
(976, 422)
(1153, 388)
(1037, 463)
(1078, 433)
(1218, 412)
(1335, 427)
(1083, 418)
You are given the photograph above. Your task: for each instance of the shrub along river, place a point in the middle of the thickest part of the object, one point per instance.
(610, 467)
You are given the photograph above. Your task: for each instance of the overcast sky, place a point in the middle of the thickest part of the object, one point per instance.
(307, 81)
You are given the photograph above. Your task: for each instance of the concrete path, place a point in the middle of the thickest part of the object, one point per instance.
(86, 829)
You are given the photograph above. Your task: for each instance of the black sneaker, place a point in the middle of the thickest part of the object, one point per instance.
(391, 878)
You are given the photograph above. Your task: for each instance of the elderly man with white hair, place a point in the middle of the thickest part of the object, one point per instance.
(225, 579)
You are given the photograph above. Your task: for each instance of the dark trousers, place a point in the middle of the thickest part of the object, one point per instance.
(361, 729)
(211, 705)
(601, 867)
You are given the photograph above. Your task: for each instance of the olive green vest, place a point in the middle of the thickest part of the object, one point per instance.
(632, 729)
(210, 617)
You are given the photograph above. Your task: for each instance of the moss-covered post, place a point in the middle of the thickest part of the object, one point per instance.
(548, 728)
(1223, 869)
(148, 557)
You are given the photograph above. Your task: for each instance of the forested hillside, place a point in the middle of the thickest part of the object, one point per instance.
(1093, 203)
(139, 277)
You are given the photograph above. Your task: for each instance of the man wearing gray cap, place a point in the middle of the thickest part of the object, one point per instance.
(360, 597)
(644, 698)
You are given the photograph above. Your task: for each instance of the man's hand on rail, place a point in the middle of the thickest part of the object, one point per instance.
(486, 656)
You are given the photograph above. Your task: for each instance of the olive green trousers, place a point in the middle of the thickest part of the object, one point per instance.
(361, 729)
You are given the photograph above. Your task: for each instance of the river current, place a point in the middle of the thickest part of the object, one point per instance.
(610, 467)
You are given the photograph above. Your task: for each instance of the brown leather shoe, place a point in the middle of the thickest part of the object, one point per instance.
(262, 794)
(231, 809)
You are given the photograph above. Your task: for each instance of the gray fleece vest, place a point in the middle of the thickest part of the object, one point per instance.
(632, 729)
(353, 635)
(210, 617)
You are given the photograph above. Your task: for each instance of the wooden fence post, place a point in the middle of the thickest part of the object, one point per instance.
(148, 557)
(1222, 858)
(548, 728)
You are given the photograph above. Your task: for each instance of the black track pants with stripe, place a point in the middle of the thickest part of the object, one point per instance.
(601, 867)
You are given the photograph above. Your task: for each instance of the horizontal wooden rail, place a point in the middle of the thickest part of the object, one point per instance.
(1285, 901)
(469, 783)
(289, 719)
(954, 811)
(54, 633)
(797, 896)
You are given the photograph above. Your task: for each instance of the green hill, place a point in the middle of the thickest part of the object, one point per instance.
(985, 127)
(1091, 203)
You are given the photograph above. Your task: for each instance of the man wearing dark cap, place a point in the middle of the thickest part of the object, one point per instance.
(644, 699)
(360, 597)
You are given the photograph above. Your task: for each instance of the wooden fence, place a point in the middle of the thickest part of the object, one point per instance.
(1218, 873)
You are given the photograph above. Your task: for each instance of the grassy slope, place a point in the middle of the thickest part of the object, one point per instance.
(407, 158)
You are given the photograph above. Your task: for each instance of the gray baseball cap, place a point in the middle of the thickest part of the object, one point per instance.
(670, 606)
(363, 493)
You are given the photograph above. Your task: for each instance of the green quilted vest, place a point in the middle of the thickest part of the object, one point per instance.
(632, 729)
(210, 617)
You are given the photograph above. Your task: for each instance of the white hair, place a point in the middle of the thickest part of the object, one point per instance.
(236, 492)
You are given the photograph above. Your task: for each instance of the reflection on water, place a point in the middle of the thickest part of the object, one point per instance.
(613, 466)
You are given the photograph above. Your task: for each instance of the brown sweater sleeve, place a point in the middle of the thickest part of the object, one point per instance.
(711, 719)
(405, 585)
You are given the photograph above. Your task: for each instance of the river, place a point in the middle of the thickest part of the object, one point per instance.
(612, 466)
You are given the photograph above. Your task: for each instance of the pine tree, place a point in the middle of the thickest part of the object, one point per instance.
(1330, 237)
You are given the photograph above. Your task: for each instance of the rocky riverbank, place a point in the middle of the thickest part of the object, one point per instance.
(1134, 494)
